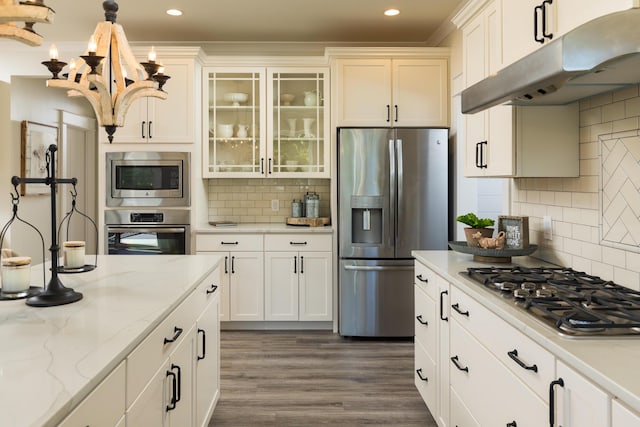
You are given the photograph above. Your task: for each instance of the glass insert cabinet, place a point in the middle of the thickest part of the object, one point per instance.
(266, 122)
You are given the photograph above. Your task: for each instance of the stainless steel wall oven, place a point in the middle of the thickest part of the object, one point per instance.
(147, 179)
(147, 232)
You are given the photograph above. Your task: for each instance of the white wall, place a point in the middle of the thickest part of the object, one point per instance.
(6, 148)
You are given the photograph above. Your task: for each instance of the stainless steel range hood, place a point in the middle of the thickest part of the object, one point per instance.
(597, 57)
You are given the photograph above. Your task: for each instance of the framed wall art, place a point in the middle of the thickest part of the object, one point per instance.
(516, 229)
(34, 141)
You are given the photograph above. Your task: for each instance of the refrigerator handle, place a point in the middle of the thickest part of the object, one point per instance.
(400, 180)
(393, 185)
(377, 267)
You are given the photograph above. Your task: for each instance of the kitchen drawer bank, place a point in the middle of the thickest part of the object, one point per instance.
(70, 362)
(599, 375)
(273, 276)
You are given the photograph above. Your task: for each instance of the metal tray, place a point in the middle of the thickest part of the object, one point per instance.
(491, 255)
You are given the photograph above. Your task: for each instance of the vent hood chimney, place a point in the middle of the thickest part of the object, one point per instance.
(599, 56)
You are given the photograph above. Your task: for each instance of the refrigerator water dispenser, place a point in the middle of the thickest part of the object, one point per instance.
(366, 220)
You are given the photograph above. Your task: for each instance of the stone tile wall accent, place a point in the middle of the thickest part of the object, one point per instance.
(575, 203)
(249, 200)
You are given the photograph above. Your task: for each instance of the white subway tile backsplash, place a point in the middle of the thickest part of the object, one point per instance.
(628, 278)
(615, 111)
(613, 256)
(590, 117)
(628, 124)
(632, 107)
(626, 93)
(601, 269)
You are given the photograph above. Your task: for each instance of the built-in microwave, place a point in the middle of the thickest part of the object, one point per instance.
(147, 179)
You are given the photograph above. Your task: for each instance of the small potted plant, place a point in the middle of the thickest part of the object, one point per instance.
(476, 225)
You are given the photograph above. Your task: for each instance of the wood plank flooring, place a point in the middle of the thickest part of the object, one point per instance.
(309, 378)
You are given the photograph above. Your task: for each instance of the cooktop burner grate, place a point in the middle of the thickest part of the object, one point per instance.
(572, 302)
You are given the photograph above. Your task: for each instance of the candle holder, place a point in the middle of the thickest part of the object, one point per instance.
(151, 68)
(161, 79)
(54, 66)
(92, 61)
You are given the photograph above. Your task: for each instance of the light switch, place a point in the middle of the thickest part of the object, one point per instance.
(275, 205)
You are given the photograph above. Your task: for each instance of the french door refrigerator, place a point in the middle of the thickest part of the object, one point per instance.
(392, 198)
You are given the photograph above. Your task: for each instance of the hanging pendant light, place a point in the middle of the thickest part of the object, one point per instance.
(102, 74)
(30, 12)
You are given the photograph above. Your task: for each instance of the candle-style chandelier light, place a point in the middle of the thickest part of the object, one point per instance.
(30, 12)
(101, 74)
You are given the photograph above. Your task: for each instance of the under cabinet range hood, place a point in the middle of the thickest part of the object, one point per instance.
(599, 56)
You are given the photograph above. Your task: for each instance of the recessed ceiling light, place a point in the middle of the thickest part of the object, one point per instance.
(174, 12)
(391, 12)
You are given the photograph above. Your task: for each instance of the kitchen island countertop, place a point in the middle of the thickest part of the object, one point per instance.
(610, 363)
(52, 357)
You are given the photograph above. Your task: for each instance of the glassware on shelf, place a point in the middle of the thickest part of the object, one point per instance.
(308, 124)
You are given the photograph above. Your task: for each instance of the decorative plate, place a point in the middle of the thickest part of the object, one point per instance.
(491, 255)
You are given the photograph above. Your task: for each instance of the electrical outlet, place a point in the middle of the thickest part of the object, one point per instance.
(275, 205)
(547, 227)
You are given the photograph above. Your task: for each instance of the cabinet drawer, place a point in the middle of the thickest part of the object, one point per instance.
(425, 321)
(510, 346)
(229, 242)
(425, 376)
(425, 278)
(104, 406)
(145, 359)
(205, 291)
(460, 415)
(297, 242)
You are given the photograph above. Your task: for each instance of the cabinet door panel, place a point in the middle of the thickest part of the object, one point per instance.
(580, 403)
(207, 362)
(425, 376)
(363, 92)
(420, 92)
(474, 42)
(572, 13)
(246, 286)
(149, 409)
(281, 285)
(315, 294)
(184, 358)
(172, 118)
(518, 28)
(425, 322)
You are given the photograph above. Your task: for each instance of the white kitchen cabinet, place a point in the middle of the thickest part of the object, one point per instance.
(242, 293)
(298, 271)
(529, 24)
(579, 402)
(281, 129)
(104, 406)
(207, 363)
(621, 416)
(172, 120)
(506, 141)
(392, 91)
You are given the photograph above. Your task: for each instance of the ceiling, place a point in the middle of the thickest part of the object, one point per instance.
(317, 21)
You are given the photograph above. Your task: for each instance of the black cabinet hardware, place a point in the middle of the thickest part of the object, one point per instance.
(422, 279)
(455, 361)
(149, 128)
(419, 318)
(301, 264)
(298, 243)
(142, 129)
(262, 165)
(478, 149)
(419, 372)
(442, 294)
(269, 166)
(212, 289)
(514, 356)
(512, 424)
(388, 113)
(552, 400)
(546, 35)
(176, 333)
(204, 343)
(295, 263)
(174, 390)
(226, 269)
(179, 381)
(483, 163)
(228, 243)
(396, 108)
(456, 307)
(233, 265)
(538, 10)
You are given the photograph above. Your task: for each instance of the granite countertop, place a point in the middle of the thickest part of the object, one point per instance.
(611, 363)
(267, 228)
(52, 357)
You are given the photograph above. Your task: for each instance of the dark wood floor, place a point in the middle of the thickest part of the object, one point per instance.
(308, 378)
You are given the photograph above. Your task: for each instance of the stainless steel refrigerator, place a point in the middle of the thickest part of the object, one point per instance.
(392, 198)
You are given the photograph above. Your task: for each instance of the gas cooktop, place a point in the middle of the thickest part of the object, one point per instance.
(573, 303)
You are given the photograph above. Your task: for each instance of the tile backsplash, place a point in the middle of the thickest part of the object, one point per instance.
(581, 236)
(250, 200)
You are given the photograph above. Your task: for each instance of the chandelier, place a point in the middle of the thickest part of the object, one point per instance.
(29, 12)
(102, 74)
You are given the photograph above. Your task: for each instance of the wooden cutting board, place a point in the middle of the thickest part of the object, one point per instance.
(309, 222)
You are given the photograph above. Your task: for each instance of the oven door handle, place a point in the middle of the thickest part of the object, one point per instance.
(146, 230)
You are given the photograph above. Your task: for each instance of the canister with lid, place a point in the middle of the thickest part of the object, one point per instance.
(16, 274)
(74, 253)
(296, 208)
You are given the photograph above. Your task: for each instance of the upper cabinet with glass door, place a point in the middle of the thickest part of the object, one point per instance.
(234, 123)
(266, 122)
(298, 122)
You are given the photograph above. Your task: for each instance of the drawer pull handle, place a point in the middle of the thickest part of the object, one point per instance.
(442, 294)
(298, 243)
(233, 265)
(174, 386)
(419, 372)
(179, 381)
(422, 279)
(301, 264)
(455, 361)
(552, 400)
(212, 289)
(228, 243)
(512, 424)
(514, 356)
(424, 322)
(177, 332)
(204, 344)
(226, 268)
(456, 307)
(295, 264)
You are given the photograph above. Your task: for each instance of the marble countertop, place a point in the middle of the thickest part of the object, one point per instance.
(262, 228)
(52, 357)
(611, 363)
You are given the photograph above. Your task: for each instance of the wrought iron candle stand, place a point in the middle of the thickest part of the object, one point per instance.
(55, 293)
